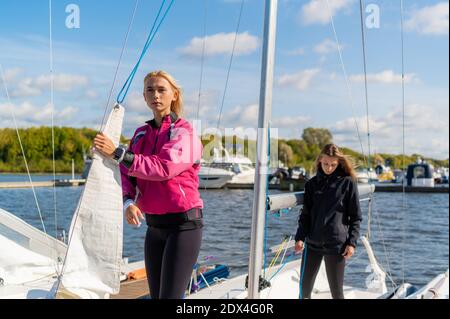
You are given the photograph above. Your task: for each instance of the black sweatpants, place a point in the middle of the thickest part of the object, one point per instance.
(335, 266)
(170, 256)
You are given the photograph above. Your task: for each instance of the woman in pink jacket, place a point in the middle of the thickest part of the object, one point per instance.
(160, 185)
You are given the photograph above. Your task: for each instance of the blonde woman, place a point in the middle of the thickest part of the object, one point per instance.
(329, 223)
(160, 185)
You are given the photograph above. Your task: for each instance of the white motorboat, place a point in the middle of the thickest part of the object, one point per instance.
(226, 170)
(365, 176)
(214, 177)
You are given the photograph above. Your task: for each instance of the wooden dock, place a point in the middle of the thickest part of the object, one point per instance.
(294, 186)
(57, 183)
(248, 186)
(409, 189)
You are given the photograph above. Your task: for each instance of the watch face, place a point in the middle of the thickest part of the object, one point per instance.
(118, 153)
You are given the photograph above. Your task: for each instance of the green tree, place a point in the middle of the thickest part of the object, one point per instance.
(317, 136)
(285, 154)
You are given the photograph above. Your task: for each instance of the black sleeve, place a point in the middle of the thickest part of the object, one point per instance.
(304, 219)
(128, 159)
(354, 214)
(133, 181)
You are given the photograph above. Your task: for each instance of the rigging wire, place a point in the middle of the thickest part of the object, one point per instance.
(349, 90)
(203, 59)
(130, 26)
(363, 35)
(403, 138)
(3, 77)
(230, 64)
(52, 105)
(229, 72)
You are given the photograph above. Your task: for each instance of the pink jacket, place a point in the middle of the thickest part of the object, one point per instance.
(164, 176)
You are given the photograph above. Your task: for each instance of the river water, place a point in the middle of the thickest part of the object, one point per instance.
(409, 233)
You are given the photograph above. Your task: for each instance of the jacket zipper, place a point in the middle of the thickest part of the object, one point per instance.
(182, 191)
(156, 141)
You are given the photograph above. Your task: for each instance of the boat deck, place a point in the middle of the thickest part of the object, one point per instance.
(133, 289)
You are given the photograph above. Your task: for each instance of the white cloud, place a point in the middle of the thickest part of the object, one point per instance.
(327, 46)
(136, 102)
(424, 128)
(431, 20)
(222, 43)
(317, 12)
(11, 74)
(246, 116)
(92, 94)
(385, 77)
(25, 88)
(296, 52)
(62, 82)
(27, 114)
(287, 122)
(300, 80)
(207, 103)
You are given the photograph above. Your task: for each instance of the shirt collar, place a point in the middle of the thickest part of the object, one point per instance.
(172, 116)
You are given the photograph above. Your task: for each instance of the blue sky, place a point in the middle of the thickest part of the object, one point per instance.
(310, 89)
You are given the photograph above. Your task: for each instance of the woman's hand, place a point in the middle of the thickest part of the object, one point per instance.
(299, 247)
(104, 145)
(349, 252)
(134, 215)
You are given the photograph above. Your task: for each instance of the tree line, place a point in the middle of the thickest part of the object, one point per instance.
(72, 143)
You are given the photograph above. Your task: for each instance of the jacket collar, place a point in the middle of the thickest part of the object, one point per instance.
(172, 116)
(339, 172)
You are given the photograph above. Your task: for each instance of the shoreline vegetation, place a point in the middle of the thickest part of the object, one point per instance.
(74, 143)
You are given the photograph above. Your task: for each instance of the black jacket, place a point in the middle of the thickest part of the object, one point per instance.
(331, 215)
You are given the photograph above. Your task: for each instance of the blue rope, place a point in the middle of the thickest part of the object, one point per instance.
(302, 270)
(288, 259)
(126, 87)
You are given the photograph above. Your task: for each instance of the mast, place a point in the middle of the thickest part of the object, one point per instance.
(262, 169)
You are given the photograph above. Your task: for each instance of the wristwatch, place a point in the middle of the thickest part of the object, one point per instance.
(119, 154)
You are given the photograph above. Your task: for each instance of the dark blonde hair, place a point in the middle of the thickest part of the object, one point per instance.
(177, 106)
(345, 161)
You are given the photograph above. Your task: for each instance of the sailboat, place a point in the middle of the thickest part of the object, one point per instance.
(284, 279)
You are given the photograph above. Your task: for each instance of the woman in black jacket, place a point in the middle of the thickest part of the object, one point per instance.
(328, 226)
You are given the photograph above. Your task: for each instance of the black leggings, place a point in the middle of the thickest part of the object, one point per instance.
(170, 256)
(335, 266)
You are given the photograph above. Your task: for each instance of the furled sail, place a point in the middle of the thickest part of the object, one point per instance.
(92, 266)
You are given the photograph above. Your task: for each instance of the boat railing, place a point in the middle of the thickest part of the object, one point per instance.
(278, 202)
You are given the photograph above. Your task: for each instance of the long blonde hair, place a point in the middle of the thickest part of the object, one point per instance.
(177, 106)
(345, 161)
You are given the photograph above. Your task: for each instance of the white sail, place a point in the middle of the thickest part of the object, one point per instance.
(94, 257)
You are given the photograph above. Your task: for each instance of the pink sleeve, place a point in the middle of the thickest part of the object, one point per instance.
(176, 156)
